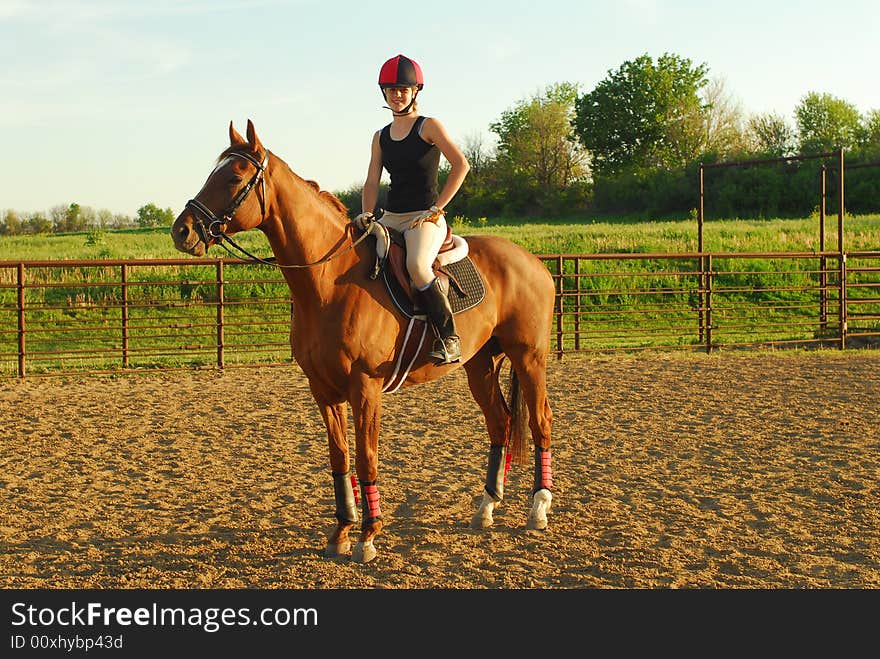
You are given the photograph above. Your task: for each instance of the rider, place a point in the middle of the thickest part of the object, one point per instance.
(409, 148)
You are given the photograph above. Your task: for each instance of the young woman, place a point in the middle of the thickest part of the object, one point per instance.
(409, 149)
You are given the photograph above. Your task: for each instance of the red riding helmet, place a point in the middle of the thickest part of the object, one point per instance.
(401, 71)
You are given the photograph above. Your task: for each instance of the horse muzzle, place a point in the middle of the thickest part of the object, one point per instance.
(187, 237)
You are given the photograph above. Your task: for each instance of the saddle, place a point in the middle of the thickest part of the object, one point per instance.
(458, 277)
(459, 281)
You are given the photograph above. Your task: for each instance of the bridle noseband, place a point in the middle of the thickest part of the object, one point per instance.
(214, 229)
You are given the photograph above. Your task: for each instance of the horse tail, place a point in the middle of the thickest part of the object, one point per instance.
(519, 420)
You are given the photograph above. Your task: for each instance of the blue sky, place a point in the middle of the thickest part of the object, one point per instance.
(117, 104)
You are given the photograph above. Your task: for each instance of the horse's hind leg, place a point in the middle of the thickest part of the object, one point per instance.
(530, 365)
(483, 381)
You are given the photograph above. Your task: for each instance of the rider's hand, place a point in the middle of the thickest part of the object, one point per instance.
(431, 214)
(364, 220)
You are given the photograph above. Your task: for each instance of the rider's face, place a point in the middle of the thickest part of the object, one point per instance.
(401, 95)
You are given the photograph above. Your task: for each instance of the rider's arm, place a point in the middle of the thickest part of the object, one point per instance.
(370, 194)
(434, 132)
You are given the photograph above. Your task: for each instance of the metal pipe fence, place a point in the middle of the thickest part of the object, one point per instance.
(111, 316)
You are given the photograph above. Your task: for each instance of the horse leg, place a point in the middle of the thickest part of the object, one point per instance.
(482, 373)
(531, 369)
(366, 403)
(346, 510)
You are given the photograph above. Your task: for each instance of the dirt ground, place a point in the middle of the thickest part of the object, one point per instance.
(753, 470)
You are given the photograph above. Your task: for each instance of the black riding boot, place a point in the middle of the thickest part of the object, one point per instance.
(447, 346)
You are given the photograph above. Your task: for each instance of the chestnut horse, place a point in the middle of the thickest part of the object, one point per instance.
(346, 334)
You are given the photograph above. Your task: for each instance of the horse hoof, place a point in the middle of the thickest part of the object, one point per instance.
(481, 521)
(363, 552)
(540, 506)
(342, 549)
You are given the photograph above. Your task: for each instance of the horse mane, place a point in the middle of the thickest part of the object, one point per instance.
(326, 197)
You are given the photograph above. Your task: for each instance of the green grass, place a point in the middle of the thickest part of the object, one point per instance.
(861, 233)
(172, 309)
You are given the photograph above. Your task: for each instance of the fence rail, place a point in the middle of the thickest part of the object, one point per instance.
(107, 316)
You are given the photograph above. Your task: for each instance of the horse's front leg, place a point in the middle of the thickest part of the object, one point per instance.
(366, 405)
(335, 420)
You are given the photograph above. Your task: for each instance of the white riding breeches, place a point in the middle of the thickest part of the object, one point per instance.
(422, 244)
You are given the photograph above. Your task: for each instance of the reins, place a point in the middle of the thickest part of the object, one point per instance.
(214, 230)
(225, 238)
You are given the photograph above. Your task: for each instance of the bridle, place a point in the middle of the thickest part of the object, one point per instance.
(213, 231)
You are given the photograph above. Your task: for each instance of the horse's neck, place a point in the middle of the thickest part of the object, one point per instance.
(306, 229)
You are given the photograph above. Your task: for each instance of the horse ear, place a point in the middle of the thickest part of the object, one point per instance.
(234, 137)
(252, 137)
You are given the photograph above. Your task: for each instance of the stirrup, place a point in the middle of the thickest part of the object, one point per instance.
(446, 351)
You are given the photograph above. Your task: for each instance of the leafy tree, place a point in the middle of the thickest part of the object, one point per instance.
(826, 123)
(871, 130)
(643, 115)
(151, 215)
(771, 135)
(38, 223)
(536, 140)
(11, 224)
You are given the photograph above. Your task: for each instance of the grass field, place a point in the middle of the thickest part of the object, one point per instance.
(861, 233)
(170, 313)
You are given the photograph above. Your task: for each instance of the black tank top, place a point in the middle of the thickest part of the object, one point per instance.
(412, 164)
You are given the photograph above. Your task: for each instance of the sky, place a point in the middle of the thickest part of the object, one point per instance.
(114, 105)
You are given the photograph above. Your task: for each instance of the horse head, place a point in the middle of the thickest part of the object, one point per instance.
(233, 198)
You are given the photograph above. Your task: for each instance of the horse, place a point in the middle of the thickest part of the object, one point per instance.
(347, 336)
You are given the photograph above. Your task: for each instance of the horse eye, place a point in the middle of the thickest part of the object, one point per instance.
(235, 180)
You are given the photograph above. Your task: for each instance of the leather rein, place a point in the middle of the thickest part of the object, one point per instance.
(214, 229)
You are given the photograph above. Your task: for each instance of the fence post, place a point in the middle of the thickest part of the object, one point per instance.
(700, 220)
(842, 310)
(21, 342)
(823, 260)
(559, 308)
(220, 356)
(708, 288)
(124, 315)
(840, 204)
(840, 248)
(577, 304)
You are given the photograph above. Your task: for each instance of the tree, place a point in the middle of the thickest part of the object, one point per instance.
(826, 123)
(11, 224)
(151, 215)
(871, 130)
(722, 116)
(536, 140)
(478, 155)
(643, 115)
(38, 223)
(771, 135)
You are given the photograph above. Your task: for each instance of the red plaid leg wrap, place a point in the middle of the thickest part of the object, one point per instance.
(543, 471)
(370, 505)
(354, 488)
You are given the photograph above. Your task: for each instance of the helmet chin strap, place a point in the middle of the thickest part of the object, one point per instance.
(406, 110)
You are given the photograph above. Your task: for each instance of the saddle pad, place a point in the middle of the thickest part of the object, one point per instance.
(464, 272)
